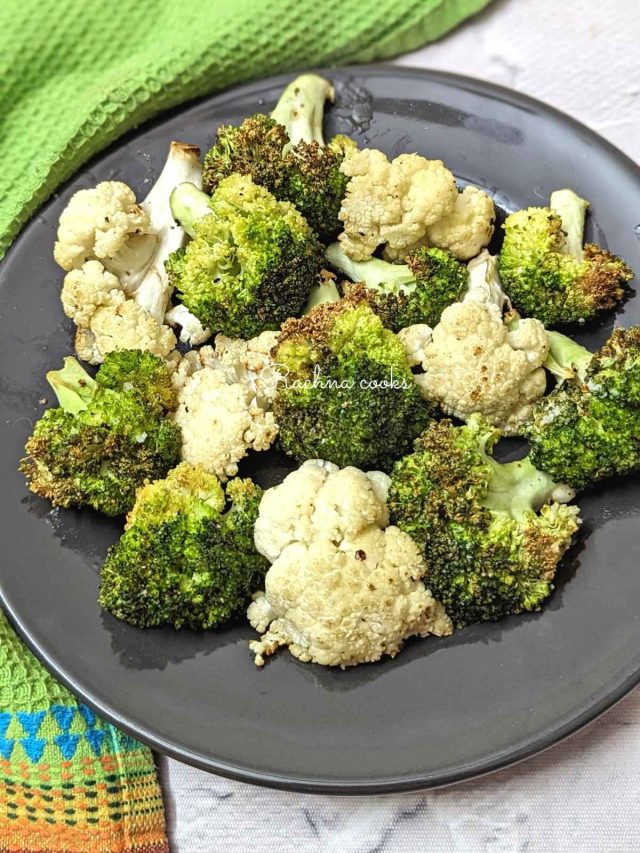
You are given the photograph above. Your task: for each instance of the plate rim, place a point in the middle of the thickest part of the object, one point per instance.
(296, 782)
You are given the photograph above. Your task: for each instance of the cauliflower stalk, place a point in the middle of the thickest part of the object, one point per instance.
(153, 290)
(344, 588)
(220, 422)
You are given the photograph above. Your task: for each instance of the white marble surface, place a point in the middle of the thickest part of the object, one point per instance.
(582, 796)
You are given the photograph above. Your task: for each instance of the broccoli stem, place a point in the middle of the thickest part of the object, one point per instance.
(189, 205)
(72, 386)
(301, 108)
(567, 359)
(516, 488)
(572, 210)
(376, 274)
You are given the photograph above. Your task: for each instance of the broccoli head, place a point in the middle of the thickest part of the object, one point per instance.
(253, 148)
(252, 261)
(286, 154)
(402, 295)
(547, 272)
(347, 394)
(108, 436)
(491, 541)
(315, 184)
(185, 558)
(142, 374)
(588, 427)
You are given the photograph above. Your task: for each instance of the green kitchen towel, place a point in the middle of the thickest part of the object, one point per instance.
(75, 74)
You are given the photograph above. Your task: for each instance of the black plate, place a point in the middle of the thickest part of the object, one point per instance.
(444, 710)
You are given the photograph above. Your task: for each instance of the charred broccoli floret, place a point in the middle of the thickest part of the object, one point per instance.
(254, 148)
(492, 542)
(315, 184)
(184, 558)
(286, 153)
(547, 272)
(347, 395)
(252, 261)
(109, 435)
(417, 291)
(588, 427)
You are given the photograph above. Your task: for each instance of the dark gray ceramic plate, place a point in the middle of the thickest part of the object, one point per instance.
(444, 710)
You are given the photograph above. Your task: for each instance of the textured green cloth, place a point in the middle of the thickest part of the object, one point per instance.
(75, 74)
(69, 782)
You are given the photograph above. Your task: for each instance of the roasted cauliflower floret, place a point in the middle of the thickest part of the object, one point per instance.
(344, 588)
(320, 498)
(468, 227)
(88, 288)
(477, 362)
(191, 329)
(102, 223)
(123, 326)
(392, 203)
(221, 421)
(86, 346)
(415, 340)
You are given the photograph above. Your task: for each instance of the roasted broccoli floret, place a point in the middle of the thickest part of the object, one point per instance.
(417, 291)
(185, 559)
(286, 153)
(109, 435)
(547, 272)
(347, 394)
(588, 427)
(491, 540)
(142, 374)
(252, 260)
(254, 148)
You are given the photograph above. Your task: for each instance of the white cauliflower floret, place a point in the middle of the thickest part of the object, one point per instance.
(252, 355)
(128, 326)
(191, 329)
(183, 366)
(344, 588)
(104, 223)
(88, 288)
(392, 202)
(468, 227)
(248, 362)
(342, 606)
(316, 498)
(415, 340)
(220, 422)
(475, 363)
(86, 346)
